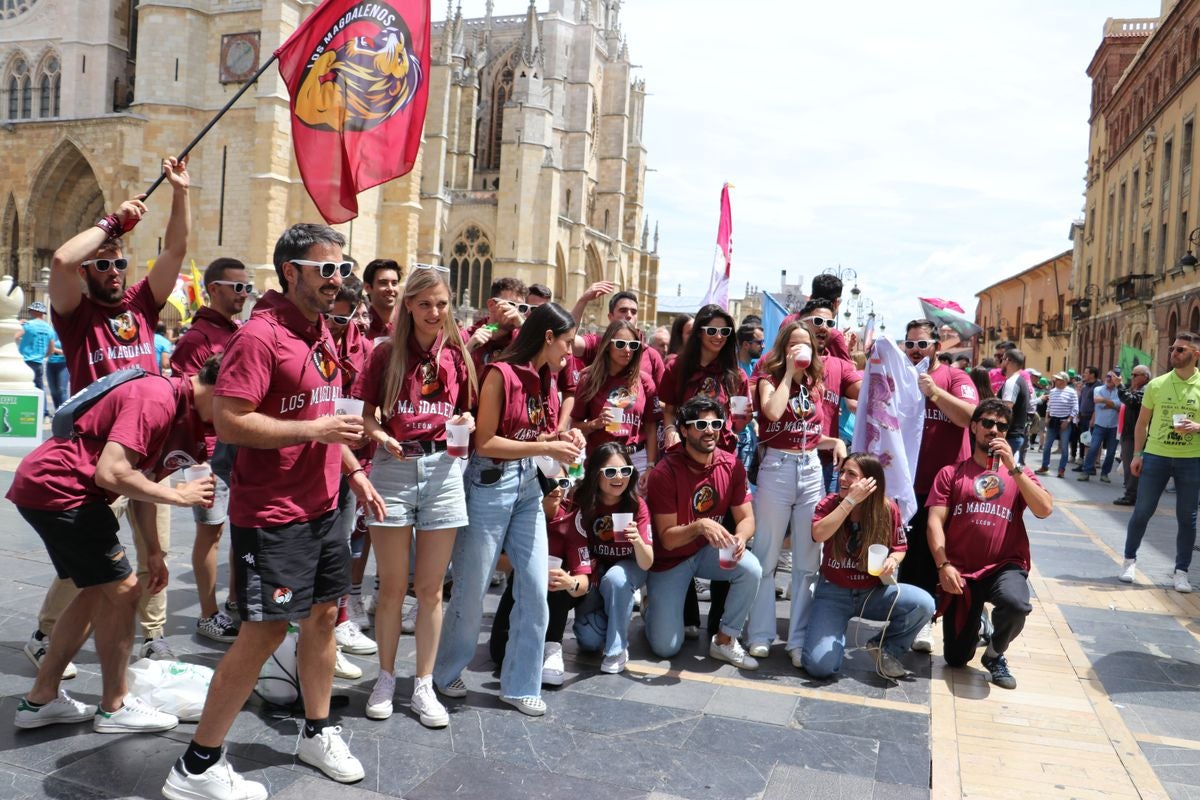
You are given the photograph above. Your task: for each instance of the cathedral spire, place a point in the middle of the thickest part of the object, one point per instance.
(459, 48)
(448, 31)
(531, 48)
(656, 237)
(645, 233)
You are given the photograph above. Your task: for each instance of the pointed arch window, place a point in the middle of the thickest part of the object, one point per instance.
(20, 91)
(470, 265)
(50, 88)
(491, 131)
(10, 9)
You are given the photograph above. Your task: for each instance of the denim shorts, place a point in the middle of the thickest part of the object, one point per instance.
(222, 464)
(424, 492)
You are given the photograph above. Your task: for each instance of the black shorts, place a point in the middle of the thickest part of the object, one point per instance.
(282, 572)
(82, 543)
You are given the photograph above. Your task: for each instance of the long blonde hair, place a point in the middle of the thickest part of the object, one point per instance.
(597, 373)
(418, 281)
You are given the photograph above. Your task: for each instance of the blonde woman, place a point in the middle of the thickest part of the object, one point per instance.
(416, 382)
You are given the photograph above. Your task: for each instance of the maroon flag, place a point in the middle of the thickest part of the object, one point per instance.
(358, 76)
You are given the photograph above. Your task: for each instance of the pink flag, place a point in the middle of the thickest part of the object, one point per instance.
(944, 305)
(718, 285)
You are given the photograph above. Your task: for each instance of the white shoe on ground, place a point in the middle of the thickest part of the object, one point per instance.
(218, 782)
(353, 641)
(62, 709)
(553, 669)
(1128, 570)
(358, 612)
(1181, 582)
(327, 752)
(426, 706)
(36, 649)
(614, 665)
(134, 716)
(379, 704)
(731, 653)
(529, 706)
(408, 623)
(924, 641)
(158, 650)
(344, 668)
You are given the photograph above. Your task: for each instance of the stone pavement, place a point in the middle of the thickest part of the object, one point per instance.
(1107, 704)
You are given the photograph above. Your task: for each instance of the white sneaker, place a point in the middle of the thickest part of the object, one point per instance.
(379, 704)
(426, 705)
(1128, 570)
(614, 665)
(691, 631)
(760, 650)
(888, 665)
(59, 710)
(158, 650)
(358, 612)
(134, 716)
(785, 561)
(345, 668)
(352, 640)
(327, 752)
(218, 782)
(408, 623)
(553, 669)
(924, 641)
(731, 653)
(1181, 582)
(703, 590)
(797, 659)
(36, 649)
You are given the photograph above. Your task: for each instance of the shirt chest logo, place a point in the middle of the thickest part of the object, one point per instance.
(703, 499)
(327, 367)
(124, 326)
(988, 486)
(535, 412)
(431, 385)
(708, 387)
(602, 528)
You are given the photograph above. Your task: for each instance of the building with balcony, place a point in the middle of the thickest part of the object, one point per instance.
(1134, 275)
(1031, 308)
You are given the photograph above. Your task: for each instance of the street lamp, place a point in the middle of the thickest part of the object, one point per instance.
(1189, 259)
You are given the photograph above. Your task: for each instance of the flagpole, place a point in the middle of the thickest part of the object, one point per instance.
(203, 131)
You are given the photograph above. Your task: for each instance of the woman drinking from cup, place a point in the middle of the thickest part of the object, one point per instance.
(615, 401)
(617, 524)
(789, 482)
(422, 382)
(518, 410)
(570, 569)
(859, 517)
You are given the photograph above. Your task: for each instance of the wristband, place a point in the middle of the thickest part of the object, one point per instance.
(110, 225)
(848, 500)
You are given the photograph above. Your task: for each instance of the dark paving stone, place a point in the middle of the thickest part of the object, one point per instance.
(861, 721)
(748, 704)
(512, 737)
(309, 788)
(476, 779)
(1174, 764)
(602, 685)
(402, 766)
(904, 761)
(1115, 669)
(19, 784)
(652, 724)
(1181, 791)
(795, 783)
(763, 745)
(1158, 695)
(671, 692)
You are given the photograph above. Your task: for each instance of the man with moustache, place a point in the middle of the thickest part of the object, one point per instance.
(1131, 399)
(381, 279)
(1166, 444)
(977, 536)
(950, 400)
(275, 400)
(227, 286)
(106, 329)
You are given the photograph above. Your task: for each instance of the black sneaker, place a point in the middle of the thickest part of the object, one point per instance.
(219, 627)
(1125, 501)
(998, 667)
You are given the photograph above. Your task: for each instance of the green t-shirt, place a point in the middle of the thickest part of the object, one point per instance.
(1168, 395)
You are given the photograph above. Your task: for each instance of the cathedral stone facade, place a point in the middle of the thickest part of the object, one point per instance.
(532, 163)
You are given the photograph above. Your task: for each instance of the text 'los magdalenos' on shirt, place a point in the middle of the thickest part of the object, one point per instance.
(99, 340)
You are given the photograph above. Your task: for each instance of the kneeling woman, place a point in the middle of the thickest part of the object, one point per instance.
(621, 555)
(857, 516)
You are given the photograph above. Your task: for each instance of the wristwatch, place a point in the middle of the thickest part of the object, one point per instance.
(575, 588)
(1016, 470)
(943, 565)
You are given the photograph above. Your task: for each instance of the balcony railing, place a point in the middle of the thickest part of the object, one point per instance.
(1033, 330)
(1134, 288)
(1057, 326)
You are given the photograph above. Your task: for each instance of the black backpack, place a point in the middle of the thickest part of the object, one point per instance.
(63, 426)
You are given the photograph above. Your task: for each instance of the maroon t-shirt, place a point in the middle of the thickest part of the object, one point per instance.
(530, 401)
(852, 573)
(99, 340)
(985, 524)
(802, 423)
(710, 382)
(435, 389)
(492, 348)
(287, 367)
(609, 547)
(651, 363)
(635, 405)
(207, 336)
(378, 325)
(568, 376)
(680, 486)
(568, 542)
(154, 417)
(943, 442)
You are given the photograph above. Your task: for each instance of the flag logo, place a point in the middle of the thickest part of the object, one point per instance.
(361, 72)
(326, 365)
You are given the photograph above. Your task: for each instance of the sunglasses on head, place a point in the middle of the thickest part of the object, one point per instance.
(988, 424)
(327, 269)
(621, 344)
(706, 424)
(339, 319)
(818, 322)
(102, 264)
(238, 286)
(615, 472)
(434, 267)
(919, 344)
(560, 483)
(713, 331)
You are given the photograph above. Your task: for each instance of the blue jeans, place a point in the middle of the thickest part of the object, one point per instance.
(834, 606)
(664, 619)
(505, 515)
(1156, 471)
(59, 381)
(602, 621)
(1102, 438)
(1054, 433)
(747, 444)
(789, 488)
(1016, 443)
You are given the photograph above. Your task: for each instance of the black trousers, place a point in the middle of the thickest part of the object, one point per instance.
(1007, 589)
(561, 604)
(919, 569)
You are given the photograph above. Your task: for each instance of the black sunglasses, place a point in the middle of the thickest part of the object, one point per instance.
(1173, 349)
(988, 424)
(327, 269)
(102, 264)
(613, 472)
(920, 343)
(560, 483)
(706, 424)
(621, 344)
(713, 331)
(339, 319)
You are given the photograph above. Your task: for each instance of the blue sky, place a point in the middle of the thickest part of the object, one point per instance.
(933, 147)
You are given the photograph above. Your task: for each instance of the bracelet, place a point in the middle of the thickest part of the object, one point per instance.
(1016, 470)
(943, 565)
(350, 475)
(110, 225)
(848, 500)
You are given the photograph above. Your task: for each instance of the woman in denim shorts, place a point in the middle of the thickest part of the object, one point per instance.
(418, 381)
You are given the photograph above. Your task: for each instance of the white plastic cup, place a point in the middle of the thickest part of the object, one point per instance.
(458, 438)
(726, 556)
(548, 466)
(876, 554)
(554, 561)
(1179, 419)
(739, 405)
(347, 406)
(803, 356)
(196, 472)
(621, 522)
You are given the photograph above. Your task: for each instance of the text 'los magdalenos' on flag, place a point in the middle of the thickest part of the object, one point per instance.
(358, 76)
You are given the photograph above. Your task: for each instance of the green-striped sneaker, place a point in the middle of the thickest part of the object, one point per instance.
(59, 710)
